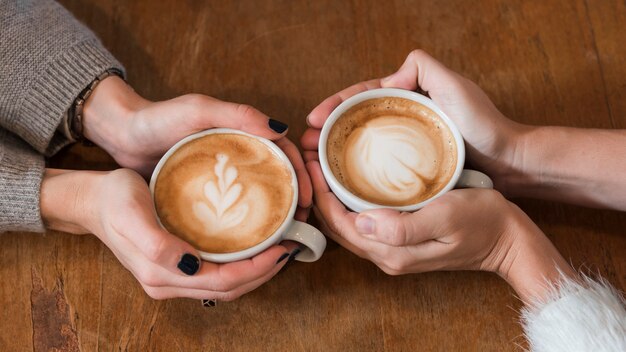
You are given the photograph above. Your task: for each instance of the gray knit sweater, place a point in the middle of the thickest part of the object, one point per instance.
(46, 58)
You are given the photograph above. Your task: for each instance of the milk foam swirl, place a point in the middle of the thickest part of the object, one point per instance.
(391, 151)
(391, 159)
(225, 206)
(223, 192)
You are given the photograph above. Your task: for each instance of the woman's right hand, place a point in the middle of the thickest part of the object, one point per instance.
(117, 207)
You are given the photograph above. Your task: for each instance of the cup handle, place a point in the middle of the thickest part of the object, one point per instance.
(308, 236)
(473, 179)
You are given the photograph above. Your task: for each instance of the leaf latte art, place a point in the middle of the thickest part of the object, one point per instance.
(391, 151)
(392, 160)
(223, 192)
(225, 209)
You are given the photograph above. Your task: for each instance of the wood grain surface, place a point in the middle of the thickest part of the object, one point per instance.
(556, 62)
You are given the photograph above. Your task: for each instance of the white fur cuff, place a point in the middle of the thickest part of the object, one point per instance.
(577, 317)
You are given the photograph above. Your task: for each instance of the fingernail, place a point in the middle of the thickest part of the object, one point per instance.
(308, 123)
(277, 126)
(209, 302)
(282, 257)
(189, 264)
(293, 254)
(365, 224)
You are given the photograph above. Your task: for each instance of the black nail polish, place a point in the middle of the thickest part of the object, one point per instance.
(209, 302)
(293, 254)
(189, 264)
(282, 257)
(277, 126)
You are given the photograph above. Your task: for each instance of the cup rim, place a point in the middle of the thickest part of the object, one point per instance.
(270, 240)
(357, 203)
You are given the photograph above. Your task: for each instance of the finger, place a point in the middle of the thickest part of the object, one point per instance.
(326, 230)
(305, 191)
(227, 277)
(208, 112)
(159, 246)
(177, 292)
(302, 214)
(319, 114)
(420, 69)
(310, 156)
(396, 228)
(337, 217)
(310, 139)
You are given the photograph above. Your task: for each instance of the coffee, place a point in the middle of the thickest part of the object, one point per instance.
(391, 151)
(223, 192)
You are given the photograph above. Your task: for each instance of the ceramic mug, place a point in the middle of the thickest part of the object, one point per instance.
(310, 238)
(461, 178)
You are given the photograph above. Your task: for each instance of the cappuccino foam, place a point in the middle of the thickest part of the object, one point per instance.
(223, 193)
(391, 151)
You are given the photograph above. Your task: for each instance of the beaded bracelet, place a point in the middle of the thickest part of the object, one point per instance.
(75, 113)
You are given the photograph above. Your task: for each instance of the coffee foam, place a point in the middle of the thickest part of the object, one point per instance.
(223, 192)
(391, 151)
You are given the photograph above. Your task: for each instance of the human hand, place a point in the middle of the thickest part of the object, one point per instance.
(469, 229)
(137, 132)
(117, 207)
(491, 138)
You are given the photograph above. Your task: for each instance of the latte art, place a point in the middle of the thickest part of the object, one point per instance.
(223, 207)
(223, 193)
(391, 157)
(391, 151)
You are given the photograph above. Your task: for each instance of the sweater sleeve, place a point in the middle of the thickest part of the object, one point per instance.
(586, 316)
(47, 58)
(21, 172)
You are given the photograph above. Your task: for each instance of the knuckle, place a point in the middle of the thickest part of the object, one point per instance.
(389, 271)
(154, 293)
(229, 296)
(397, 237)
(193, 99)
(396, 264)
(149, 277)
(154, 249)
(245, 110)
(417, 54)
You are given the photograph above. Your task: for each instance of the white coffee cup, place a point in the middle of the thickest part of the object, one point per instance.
(460, 179)
(307, 236)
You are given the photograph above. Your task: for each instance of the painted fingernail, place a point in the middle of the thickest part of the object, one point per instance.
(282, 257)
(294, 254)
(277, 126)
(365, 224)
(189, 264)
(209, 302)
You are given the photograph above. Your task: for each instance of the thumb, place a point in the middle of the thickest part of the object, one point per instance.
(394, 228)
(210, 113)
(420, 69)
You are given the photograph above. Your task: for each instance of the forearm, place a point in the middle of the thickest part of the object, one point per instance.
(65, 199)
(573, 165)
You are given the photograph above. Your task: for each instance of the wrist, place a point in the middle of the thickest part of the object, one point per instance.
(508, 171)
(532, 262)
(66, 199)
(107, 113)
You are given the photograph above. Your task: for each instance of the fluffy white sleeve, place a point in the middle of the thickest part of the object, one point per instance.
(585, 316)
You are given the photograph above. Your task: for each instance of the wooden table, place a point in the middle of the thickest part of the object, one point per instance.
(560, 62)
